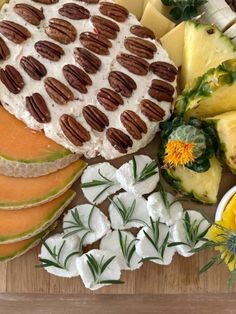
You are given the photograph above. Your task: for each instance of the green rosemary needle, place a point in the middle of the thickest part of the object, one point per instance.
(77, 226)
(98, 268)
(148, 171)
(55, 255)
(107, 183)
(127, 248)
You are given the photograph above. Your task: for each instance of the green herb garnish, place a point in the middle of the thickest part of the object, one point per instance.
(192, 232)
(107, 183)
(148, 171)
(127, 249)
(126, 212)
(183, 10)
(98, 268)
(55, 255)
(77, 225)
(153, 238)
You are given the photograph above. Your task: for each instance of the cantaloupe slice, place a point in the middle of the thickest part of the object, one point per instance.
(16, 193)
(12, 250)
(28, 153)
(18, 225)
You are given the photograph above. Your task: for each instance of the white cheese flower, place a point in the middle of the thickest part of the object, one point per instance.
(153, 244)
(86, 221)
(189, 230)
(98, 182)
(98, 268)
(122, 243)
(128, 211)
(168, 210)
(58, 255)
(138, 176)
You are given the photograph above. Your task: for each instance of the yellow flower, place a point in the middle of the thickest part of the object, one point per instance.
(219, 233)
(178, 153)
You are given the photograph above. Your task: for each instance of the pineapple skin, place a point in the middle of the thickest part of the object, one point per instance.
(205, 47)
(199, 187)
(225, 126)
(211, 94)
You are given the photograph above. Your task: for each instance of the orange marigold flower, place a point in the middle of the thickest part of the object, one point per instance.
(178, 153)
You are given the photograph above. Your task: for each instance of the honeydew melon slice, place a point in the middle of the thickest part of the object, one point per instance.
(10, 251)
(17, 193)
(28, 153)
(18, 225)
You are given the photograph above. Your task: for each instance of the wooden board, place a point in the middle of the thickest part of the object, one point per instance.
(181, 277)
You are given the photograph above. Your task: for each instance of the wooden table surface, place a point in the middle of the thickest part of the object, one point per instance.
(177, 288)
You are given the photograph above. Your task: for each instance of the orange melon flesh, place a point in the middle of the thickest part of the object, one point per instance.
(16, 193)
(18, 142)
(16, 225)
(12, 250)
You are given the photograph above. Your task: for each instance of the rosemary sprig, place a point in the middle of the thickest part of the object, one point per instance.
(192, 232)
(154, 237)
(107, 183)
(55, 255)
(148, 171)
(126, 212)
(127, 249)
(77, 226)
(98, 268)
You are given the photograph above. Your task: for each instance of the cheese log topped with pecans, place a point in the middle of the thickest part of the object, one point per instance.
(86, 72)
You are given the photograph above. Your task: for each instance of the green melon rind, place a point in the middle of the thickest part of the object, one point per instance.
(48, 197)
(33, 169)
(175, 182)
(41, 227)
(35, 241)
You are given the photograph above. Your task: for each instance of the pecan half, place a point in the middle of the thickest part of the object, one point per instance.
(90, 1)
(140, 47)
(105, 27)
(122, 83)
(151, 110)
(95, 118)
(14, 32)
(49, 50)
(73, 130)
(4, 50)
(61, 30)
(114, 11)
(134, 125)
(161, 91)
(109, 99)
(74, 11)
(95, 42)
(77, 78)
(29, 13)
(59, 92)
(12, 79)
(164, 70)
(134, 64)
(35, 69)
(37, 107)
(119, 140)
(142, 31)
(89, 62)
(46, 1)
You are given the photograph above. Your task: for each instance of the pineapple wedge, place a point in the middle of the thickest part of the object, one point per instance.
(211, 94)
(225, 126)
(205, 47)
(199, 186)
